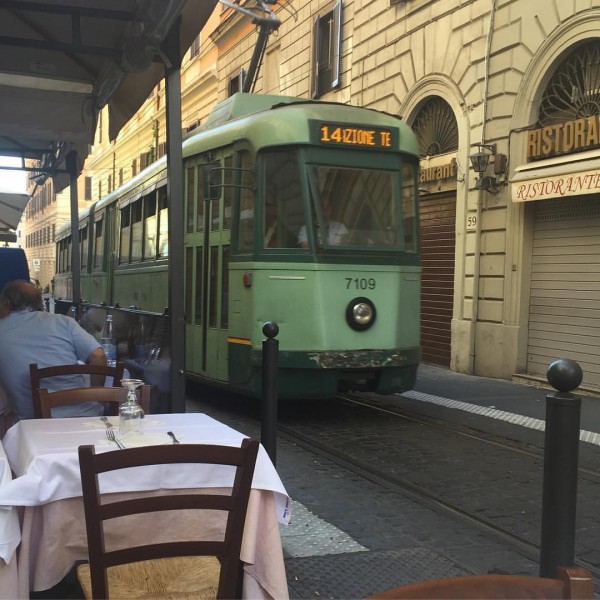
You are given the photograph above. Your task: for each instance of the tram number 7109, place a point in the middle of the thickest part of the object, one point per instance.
(360, 283)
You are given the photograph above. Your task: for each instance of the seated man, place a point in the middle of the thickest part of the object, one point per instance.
(336, 232)
(30, 335)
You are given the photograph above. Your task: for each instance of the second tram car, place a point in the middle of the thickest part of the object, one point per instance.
(300, 212)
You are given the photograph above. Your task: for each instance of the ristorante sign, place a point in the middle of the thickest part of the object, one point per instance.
(563, 138)
(576, 184)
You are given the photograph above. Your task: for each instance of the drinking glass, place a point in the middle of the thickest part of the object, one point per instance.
(130, 412)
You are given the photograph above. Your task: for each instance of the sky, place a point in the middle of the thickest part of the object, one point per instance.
(12, 181)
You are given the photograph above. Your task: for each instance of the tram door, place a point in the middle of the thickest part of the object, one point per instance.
(208, 196)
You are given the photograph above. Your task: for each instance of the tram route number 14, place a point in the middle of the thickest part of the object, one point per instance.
(360, 283)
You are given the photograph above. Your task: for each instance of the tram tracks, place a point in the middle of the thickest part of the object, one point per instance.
(364, 465)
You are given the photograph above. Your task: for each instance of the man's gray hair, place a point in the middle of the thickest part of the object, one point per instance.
(21, 295)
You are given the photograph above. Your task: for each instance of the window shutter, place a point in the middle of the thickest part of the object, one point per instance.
(315, 73)
(337, 44)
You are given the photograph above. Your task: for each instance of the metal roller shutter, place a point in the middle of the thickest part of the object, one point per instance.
(437, 219)
(564, 311)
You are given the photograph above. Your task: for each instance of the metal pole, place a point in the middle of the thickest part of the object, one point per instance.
(561, 453)
(172, 59)
(270, 349)
(71, 164)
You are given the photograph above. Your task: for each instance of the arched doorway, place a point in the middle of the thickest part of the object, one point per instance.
(436, 129)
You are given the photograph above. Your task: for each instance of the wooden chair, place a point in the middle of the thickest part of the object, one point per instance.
(112, 396)
(572, 582)
(139, 571)
(36, 374)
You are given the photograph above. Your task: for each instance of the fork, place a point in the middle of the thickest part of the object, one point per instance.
(105, 420)
(110, 434)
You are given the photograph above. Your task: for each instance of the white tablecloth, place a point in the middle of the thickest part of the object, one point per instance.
(43, 455)
(10, 536)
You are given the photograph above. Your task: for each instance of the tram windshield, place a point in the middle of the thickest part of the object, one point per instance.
(351, 207)
(363, 208)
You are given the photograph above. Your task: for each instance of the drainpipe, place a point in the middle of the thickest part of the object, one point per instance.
(476, 269)
(476, 256)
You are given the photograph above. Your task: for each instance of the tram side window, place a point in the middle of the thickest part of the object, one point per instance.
(63, 247)
(190, 200)
(225, 287)
(227, 191)
(125, 235)
(409, 206)
(200, 202)
(210, 191)
(83, 236)
(245, 233)
(136, 230)
(99, 243)
(199, 275)
(189, 281)
(214, 288)
(284, 208)
(150, 224)
(163, 223)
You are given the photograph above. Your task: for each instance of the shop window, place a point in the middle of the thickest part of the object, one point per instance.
(327, 51)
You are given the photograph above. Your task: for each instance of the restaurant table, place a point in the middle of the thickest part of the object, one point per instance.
(43, 456)
(10, 536)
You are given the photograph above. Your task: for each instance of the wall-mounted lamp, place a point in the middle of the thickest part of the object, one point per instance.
(480, 162)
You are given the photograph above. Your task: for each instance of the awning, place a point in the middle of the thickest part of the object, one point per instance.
(61, 62)
(570, 175)
(11, 209)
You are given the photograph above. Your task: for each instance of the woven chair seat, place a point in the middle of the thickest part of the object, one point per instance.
(181, 578)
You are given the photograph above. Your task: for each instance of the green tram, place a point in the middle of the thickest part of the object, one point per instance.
(299, 212)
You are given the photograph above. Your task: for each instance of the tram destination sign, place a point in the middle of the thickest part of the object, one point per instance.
(355, 135)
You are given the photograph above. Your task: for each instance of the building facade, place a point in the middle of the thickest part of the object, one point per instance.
(511, 263)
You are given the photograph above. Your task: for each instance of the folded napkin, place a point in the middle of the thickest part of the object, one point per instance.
(136, 440)
(98, 424)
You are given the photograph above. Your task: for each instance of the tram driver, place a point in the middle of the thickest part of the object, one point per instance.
(337, 232)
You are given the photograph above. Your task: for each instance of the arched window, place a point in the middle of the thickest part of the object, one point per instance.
(435, 127)
(573, 91)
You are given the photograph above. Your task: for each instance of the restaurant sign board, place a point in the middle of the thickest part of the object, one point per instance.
(563, 138)
(573, 184)
(438, 173)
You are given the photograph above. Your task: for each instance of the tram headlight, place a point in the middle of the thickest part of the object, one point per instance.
(360, 314)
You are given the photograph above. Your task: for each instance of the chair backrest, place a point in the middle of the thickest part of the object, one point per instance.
(235, 506)
(111, 395)
(36, 374)
(572, 582)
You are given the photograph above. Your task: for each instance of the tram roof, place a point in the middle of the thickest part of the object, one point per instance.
(61, 62)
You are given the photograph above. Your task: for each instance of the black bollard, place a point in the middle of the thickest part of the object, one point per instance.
(561, 455)
(270, 349)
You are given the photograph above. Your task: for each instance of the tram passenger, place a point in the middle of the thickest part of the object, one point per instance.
(271, 217)
(271, 226)
(337, 232)
(28, 335)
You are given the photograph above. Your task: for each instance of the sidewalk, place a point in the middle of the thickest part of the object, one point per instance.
(517, 398)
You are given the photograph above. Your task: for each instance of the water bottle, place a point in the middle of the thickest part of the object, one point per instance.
(108, 342)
